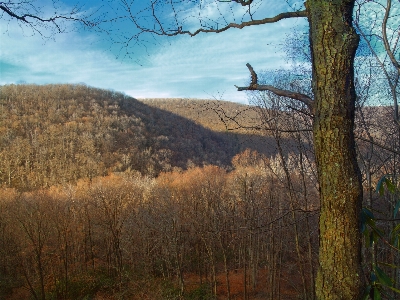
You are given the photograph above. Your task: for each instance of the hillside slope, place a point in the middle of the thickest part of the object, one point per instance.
(56, 134)
(238, 122)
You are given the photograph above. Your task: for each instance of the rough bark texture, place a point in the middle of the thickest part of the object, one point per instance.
(333, 44)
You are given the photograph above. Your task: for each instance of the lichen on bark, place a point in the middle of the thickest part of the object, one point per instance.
(333, 43)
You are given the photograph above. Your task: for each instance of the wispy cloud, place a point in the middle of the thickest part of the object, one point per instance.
(205, 66)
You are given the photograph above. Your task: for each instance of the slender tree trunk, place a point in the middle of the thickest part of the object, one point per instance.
(293, 213)
(89, 238)
(226, 269)
(272, 262)
(210, 252)
(41, 274)
(31, 288)
(245, 271)
(311, 295)
(279, 263)
(333, 45)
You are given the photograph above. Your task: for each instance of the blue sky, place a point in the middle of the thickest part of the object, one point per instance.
(204, 66)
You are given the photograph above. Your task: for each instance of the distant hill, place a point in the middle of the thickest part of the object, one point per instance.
(238, 122)
(56, 134)
(216, 115)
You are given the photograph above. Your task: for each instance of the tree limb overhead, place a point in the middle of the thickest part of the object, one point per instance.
(254, 86)
(179, 31)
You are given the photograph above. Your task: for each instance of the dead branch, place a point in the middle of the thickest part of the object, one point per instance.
(254, 86)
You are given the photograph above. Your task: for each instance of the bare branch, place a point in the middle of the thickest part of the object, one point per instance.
(33, 18)
(392, 59)
(25, 17)
(392, 82)
(254, 86)
(370, 140)
(179, 31)
(242, 2)
(385, 39)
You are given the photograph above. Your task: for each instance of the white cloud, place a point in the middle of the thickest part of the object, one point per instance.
(205, 66)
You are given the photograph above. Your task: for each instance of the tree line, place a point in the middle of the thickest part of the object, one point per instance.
(198, 234)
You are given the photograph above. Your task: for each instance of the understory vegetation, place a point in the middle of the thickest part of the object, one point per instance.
(183, 233)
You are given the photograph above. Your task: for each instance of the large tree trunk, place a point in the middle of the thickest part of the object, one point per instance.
(333, 45)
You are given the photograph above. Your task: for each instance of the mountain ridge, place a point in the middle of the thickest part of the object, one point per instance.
(54, 134)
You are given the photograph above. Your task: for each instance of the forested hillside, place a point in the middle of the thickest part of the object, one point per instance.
(60, 133)
(103, 196)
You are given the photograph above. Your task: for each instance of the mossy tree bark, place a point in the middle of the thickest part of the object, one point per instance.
(333, 44)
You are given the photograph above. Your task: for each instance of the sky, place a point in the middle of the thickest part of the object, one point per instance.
(206, 66)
